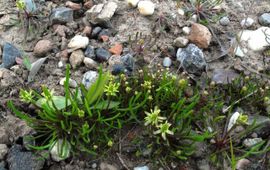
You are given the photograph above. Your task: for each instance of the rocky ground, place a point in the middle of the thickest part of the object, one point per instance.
(122, 37)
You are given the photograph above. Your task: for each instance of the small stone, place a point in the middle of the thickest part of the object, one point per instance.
(186, 30)
(90, 52)
(96, 31)
(118, 69)
(3, 151)
(89, 78)
(94, 165)
(114, 59)
(4, 138)
(89, 4)
(180, 42)
(104, 35)
(200, 35)
(78, 42)
(181, 12)
(76, 58)
(239, 52)
(263, 124)
(106, 166)
(87, 31)
(102, 54)
(133, 3)
(64, 54)
(192, 59)
(167, 62)
(30, 6)
(55, 151)
(224, 21)
(247, 22)
(264, 19)
(242, 164)
(104, 38)
(90, 63)
(61, 15)
(2, 165)
(194, 18)
(42, 48)
(251, 142)
(61, 64)
(72, 83)
(101, 13)
(61, 30)
(128, 62)
(116, 49)
(141, 168)
(10, 53)
(146, 8)
(73, 5)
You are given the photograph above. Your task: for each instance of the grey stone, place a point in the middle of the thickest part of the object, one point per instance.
(203, 164)
(76, 58)
(30, 6)
(3, 151)
(192, 59)
(141, 168)
(10, 52)
(117, 69)
(2, 165)
(167, 62)
(90, 63)
(72, 83)
(103, 32)
(96, 31)
(89, 78)
(224, 21)
(263, 124)
(180, 42)
(106, 166)
(264, 19)
(251, 142)
(128, 62)
(18, 159)
(61, 15)
(102, 54)
(90, 52)
(247, 22)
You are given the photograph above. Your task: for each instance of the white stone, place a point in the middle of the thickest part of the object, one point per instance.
(60, 64)
(56, 148)
(89, 78)
(181, 12)
(78, 42)
(194, 18)
(141, 168)
(180, 42)
(72, 83)
(90, 63)
(186, 30)
(257, 39)
(251, 142)
(3, 151)
(247, 22)
(167, 62)
(146, 8)
(240, 52)
(233, 120)
(133, 3)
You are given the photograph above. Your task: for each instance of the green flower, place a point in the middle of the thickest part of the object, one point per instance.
(26, 96)
(112, 89)
(242, 119)
(20, 4)
(147, 84)
(110, 143)
(153, 117)
(164, 130)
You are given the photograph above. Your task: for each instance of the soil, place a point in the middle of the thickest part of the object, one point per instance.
(125, 23)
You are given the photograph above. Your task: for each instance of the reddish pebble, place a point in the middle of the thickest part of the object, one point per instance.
(88, 4)
(116, 49)
(104, 38)
(87, 30)
(73, 5)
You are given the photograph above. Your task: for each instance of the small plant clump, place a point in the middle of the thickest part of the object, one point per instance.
(174, 112)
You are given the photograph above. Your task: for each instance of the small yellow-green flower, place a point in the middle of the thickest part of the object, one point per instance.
(183, 83)
(81, 113)
(128, 89)
(147, 84)
(153, 117)
(110, 143)
(111, 89)
(26, 96)
(164, 130)
(242, 119)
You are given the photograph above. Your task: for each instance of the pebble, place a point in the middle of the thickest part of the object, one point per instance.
(141, 168)
(89, 78)
(104, 33)
(72, 83)
(90, 52)
(89, 4)
(128, 62)
(200, 35)
(90, 63)
(76, 58)
(102, 54)
(87, 31)
(4, 137)
(73, 5)
(263, 124)
(247, 22)
(251, 142)
(186, 30)
(55, 151)
(180, 42)
(192, 59)
(101, 13)
(78, 42)
(94, 165)
(10, 52)
(224, 21)
(167, 62)
(30, 6)
(106, 166)
(194, 18)
(114, 59)
(3, 151)
(242, 164)
(95, 32)
(256, 40)
(239, 52)
(264, 19)
(133, 3)
(118, 69)
(61, 15)
(181, 12)
(116, 49)
(146, 8)
(42, 48)
(2, 165)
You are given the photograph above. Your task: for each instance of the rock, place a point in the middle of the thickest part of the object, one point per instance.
(61, 30)
(263, 124)
(4, 136)
(55, 151)
(95, 32)
(186, 30)
(128, 62)
(181, 12)
(141, 168)
(72, 83)
(167, 62)
(2, 165)
(203, 164)
(104, 35)
(133, 3)
(10, 52)
(61, 15)
(239, 52)
(89, 4)
(224, 76)
(194, 18)
(114, 59)
(73, 5)
(76, 58)
(256, 40)
(42, 48)
(192, 59)
(224, 21)
(61, 64)
(264, 19)
(118, 69)
(247, 22)
(30, 6)
(242, 164)
(146, 8)
(78, 42)
(18, 159)
(251, 142)
(102, 54)
(106, 166)
(200, 35)
(87, 31)
(101, 13)
(116, 49)
(3, 151)
(90, 63)
(90, 52)
(89, 78)
(180, 42)
(94, 165)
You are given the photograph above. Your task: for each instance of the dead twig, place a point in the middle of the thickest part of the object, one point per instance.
(122, 162)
